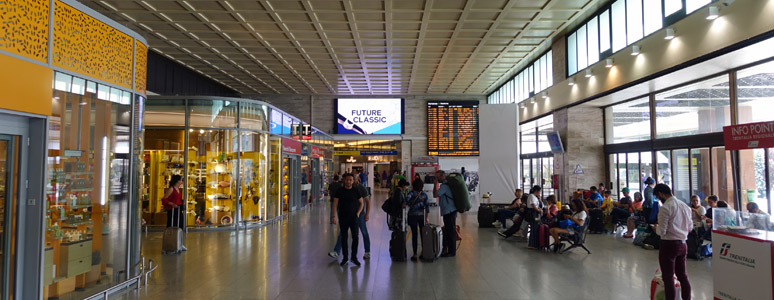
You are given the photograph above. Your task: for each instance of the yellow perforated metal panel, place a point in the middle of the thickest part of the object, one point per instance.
(84, 45)
(140, 67)
(24, 28)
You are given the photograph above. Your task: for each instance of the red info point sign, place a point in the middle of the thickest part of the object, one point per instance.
(749, 136)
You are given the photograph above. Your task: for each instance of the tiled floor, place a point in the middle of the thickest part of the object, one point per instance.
(288, 260)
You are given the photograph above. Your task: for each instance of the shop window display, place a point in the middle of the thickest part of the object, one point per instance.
(254, 181)
(87, 190)
(163, 157)
(274, 177)
(212, 170)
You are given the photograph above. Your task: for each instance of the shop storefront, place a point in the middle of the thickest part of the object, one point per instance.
(240, 162)
(73, 85)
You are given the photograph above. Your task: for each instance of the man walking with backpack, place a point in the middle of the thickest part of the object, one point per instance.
(449, 212)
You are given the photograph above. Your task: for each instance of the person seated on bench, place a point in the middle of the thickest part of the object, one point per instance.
(622, 209)
(594, 199)
(509, 211)
(607, 203)
(519, 222)
(697, 211)
(571, 223)
(551, 213)
(631, 223)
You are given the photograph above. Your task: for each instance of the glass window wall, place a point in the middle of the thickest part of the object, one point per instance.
(628, 122)
(755, 93)
(698, 108)
(534, 78)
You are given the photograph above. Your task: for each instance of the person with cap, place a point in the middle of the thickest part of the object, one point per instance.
(623, 209)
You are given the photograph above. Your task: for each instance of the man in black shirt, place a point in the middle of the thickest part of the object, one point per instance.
(348, 203)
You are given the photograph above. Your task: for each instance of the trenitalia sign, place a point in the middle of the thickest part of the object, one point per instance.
(749, 136)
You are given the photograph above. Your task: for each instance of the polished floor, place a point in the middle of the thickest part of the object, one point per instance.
(288, 260)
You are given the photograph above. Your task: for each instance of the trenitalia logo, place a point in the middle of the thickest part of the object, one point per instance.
(289, 149)
(724, 249)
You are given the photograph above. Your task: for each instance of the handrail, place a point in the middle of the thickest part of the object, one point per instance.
(141, 278)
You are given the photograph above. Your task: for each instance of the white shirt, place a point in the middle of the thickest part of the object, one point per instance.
(580, 216)
(702, 211)
(533, 200)
(674, 220)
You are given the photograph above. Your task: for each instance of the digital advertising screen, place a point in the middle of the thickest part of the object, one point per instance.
(452, 128)
(287, 123)
(276, 122)
(369, 116)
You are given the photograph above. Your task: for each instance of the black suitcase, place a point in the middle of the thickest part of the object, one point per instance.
(597, 219)
(486, 216)
(534, 237)
(694, 245)
(398, 246)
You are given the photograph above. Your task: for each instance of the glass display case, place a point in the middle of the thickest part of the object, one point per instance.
(87, 186)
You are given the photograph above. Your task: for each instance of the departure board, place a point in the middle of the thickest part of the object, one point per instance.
(452, 128)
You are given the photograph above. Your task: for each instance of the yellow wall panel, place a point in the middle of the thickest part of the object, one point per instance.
(141, 67)
(25, 86)
(24, 28)
(84, 45)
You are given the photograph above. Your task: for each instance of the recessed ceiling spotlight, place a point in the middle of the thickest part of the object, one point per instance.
(608, 63)
(544, 95)
(589, 73)
(635, 50)
(571, 81)
(713, 13)
(669, 34)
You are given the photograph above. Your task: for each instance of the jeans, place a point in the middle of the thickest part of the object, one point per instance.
(366, 239)
(450, 234)
(350, 224)
(417, 224)
(671, 259)
(505, 214)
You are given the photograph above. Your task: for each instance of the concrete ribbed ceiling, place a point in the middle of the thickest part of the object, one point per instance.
(349, 47)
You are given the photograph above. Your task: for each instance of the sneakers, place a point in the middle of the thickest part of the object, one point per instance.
(502, 234)
(628, 236)
(367, 255)
(497, 223)
(648, 246)
(558, 248)
(356, 262)
(343, 262)
(184, 248)
(333, 254)
(414, 258)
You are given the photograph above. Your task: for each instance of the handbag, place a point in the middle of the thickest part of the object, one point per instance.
(565, 223)
(386, 206)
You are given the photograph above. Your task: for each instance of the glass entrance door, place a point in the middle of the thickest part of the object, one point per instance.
(9, 154)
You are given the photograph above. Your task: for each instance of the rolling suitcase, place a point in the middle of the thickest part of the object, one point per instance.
(172, 241)
(486, 216)
(597, 219)
(398, 246)
(543, 237)
(432, 237)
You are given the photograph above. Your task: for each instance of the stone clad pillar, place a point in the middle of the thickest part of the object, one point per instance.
(582, 133)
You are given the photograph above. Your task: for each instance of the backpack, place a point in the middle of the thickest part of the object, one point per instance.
(653, 218)
(459, 189)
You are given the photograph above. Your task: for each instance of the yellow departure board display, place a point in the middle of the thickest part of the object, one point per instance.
(452, 128)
